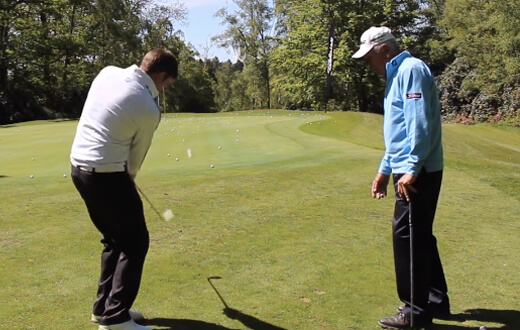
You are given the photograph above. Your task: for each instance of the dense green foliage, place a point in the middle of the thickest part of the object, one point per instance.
(51, 49)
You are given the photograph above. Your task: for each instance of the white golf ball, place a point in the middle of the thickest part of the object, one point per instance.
(168, 215)
(212, 166)
(238, 130)
(32, 158)
(64, 175)
(219, 147)
(31, 176)
(177, 159)
(168, 155)
(237, 140)
(183, 140)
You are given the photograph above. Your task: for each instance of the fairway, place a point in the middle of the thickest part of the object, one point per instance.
(275, 203)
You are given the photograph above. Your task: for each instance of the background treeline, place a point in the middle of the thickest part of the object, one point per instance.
(50, 50)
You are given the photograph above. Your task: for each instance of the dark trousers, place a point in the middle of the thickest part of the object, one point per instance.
(430, 286)
(116, 210)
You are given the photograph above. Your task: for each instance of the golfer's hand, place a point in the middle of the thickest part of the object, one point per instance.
(404, 186)
(379, 186)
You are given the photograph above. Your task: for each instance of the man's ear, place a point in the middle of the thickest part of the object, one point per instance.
(385, 49)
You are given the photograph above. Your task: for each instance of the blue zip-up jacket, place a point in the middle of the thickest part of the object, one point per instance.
(412, 119)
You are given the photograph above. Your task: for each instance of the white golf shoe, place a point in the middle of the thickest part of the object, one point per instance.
(130, 325)
(134, 315)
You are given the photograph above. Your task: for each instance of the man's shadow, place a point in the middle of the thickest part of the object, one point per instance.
(183, 324)
(250, 321)
(507, 320)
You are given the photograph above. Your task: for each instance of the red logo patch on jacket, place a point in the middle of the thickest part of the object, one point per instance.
(411, 96)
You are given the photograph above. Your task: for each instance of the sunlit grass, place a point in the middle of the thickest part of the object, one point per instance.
(284, 217)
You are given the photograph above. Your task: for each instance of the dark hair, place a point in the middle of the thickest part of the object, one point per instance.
(160, 60)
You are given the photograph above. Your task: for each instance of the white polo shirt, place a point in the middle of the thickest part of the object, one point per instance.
(118, 121)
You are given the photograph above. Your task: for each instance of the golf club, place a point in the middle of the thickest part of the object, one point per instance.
(153, 207)
(218, 293)
(410, 224)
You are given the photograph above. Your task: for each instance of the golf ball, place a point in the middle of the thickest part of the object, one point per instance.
(168, 215)
(64, 175)
(237, 140)
(483, 327)
(238, 130)
(177, 159)
(212, 166)
(32, 158)
(168, 155)
(31, 176)
(219, 147)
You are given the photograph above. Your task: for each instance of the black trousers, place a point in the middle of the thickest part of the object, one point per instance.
(116, 210)
(430, 286)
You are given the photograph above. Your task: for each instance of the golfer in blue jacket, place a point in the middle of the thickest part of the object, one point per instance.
(414, 159)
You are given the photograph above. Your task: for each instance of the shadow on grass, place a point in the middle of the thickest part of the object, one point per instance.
(183, 324)
(509, 320)
(3, 176)
(249, 321)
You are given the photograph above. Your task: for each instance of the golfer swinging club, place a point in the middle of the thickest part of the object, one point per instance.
(412, 132)
(113, 136)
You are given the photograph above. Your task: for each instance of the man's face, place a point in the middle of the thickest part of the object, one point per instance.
(377, 60)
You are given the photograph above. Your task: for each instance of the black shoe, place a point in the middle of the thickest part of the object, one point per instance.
(440, 312)
(402, 321)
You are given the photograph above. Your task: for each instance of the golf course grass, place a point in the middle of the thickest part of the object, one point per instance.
(277, 205)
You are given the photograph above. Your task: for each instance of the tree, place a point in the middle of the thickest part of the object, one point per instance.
(301, 55)
(50, 51)
(483, 82)
(249, 33)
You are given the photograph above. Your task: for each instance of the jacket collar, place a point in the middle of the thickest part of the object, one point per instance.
(393, 64)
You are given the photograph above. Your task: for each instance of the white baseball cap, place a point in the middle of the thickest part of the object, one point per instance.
(374, 36)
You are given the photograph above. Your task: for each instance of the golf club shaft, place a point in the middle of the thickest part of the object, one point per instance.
(218, 293)
(153, 207)
(410, 225)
